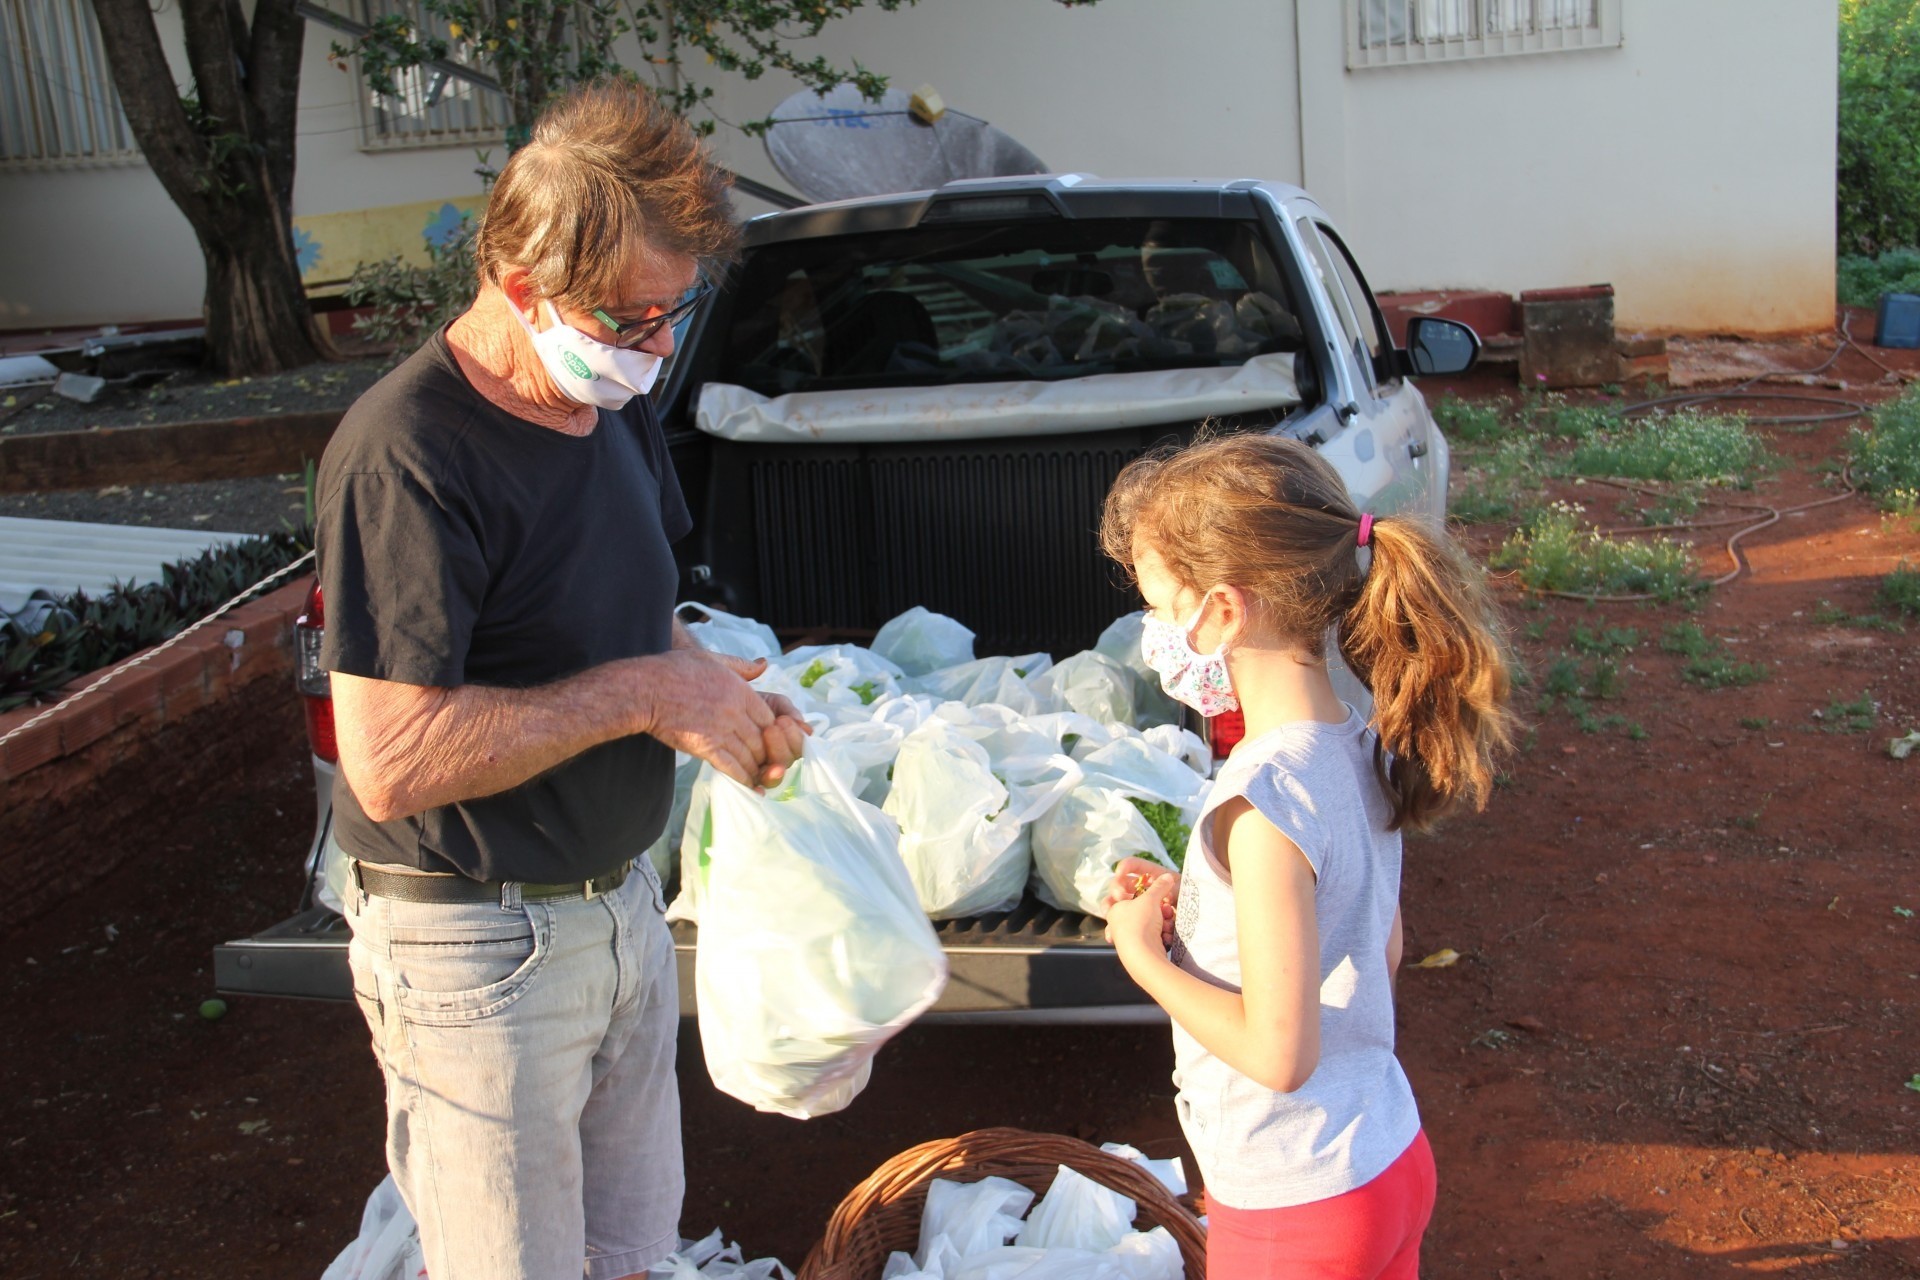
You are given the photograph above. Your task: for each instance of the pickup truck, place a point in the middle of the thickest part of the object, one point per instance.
(922, 399)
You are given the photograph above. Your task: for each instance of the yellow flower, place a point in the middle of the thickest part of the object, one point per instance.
(455, 30)
(492, 45)
(513, 24)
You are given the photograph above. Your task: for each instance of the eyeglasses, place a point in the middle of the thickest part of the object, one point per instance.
(635, 332)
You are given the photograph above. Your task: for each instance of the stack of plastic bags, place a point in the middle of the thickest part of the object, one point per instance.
(936, 786)
(1080, 1230)
(1002, 773)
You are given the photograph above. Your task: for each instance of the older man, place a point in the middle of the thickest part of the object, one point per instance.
(510, 686)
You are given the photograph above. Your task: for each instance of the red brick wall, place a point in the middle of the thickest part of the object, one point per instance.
(141, 748)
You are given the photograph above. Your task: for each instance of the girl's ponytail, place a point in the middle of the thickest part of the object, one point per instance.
(1420, 634)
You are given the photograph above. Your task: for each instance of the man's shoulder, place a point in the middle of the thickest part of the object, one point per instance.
(405, 424)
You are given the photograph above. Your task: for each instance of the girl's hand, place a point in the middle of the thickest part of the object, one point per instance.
(1141, 924)
(1131, 878)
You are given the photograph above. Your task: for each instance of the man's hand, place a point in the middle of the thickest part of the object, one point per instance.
(785, 737)
(702, 704)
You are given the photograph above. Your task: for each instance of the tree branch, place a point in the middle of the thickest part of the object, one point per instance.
(176, 153)
(214, 51)
(273, 82)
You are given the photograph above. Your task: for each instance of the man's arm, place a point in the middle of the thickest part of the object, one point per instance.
(408, 748)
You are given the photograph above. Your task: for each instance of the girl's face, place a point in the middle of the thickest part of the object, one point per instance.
(1167, 599)
(1173, 601)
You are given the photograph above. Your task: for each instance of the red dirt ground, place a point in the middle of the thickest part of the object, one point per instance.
(1677, 1043)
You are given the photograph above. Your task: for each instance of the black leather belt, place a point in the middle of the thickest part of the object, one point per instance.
(403, 887)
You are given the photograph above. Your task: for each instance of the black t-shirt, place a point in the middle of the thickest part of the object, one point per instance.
(458, 545)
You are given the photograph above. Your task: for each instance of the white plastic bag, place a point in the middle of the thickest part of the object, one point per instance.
(970, 1216)
(813, 949)
(919, 641)
(696, 841)
(864, 750)
(1121, 642)
(1170, 1173)
(958, 840)
(1004, 732)
(712, 1258)
(1077, 1213)
(1017, 1262)
(1008, 682)
(1076, 734)
(1184, 745)
(963, 818)
(388, 1246)
(1077, 846)
(1149, 1255)
(844, 676)
(664, 850)
(1092, 684)
(731, 634)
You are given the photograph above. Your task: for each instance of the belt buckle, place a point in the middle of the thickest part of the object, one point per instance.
(589, 891)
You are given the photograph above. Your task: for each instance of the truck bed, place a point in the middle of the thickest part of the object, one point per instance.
(1029, 964)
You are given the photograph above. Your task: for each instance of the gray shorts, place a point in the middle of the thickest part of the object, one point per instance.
(533, 1117)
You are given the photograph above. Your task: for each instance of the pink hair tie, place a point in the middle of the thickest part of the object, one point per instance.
(1366, 531)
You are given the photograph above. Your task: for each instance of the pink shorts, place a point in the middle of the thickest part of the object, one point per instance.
(1370, 1233)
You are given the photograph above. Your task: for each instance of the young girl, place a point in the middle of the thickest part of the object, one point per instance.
(1249, 551)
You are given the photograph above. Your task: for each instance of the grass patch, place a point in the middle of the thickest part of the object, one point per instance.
(1832, 615)
(1607, 640)
(1557, 551)
(1683, 448)
(1497, 484)
(1574, 683)
(1470, 421)
(1900, 590)
(1708, 662)
(1551, 415)
(1885, 458)
(1754, 722)
(1854, 716)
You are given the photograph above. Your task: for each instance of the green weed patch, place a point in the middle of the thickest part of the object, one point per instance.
(1709, 663)
(1855, 715)
(1885, 458)
(1557, 551)
(1684, 448)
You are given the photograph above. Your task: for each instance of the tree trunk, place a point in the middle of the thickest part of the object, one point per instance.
(229, 168)
(255, 306)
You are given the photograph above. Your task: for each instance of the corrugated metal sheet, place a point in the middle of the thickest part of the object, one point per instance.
(62, 555)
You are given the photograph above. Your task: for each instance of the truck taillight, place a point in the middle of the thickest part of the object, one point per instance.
(1224, 731)
(311, 679)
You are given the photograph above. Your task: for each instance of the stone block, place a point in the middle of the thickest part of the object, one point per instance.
(1567, 337)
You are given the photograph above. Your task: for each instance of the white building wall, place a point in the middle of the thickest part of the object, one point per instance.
(1122, 89)
(1692, 167)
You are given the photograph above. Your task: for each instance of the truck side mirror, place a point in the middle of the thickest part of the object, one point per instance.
(1437, 346)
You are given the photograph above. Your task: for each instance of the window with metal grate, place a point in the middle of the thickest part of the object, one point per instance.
(58, 107)
(1391, 33)
(431, 108)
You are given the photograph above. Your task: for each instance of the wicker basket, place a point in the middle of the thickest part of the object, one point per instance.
(882, 1214)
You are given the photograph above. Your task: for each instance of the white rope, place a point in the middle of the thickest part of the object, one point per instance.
(150, 654)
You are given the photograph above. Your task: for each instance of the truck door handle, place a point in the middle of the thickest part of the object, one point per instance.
(1416, 448)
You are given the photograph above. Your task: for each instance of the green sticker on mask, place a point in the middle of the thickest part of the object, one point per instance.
(576, 365)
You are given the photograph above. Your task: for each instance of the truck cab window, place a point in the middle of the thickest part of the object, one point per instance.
(1047, 298)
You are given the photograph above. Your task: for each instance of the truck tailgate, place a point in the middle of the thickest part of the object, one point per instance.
(1030, 964)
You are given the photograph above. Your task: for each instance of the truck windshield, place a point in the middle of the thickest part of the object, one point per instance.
(1048, 298)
